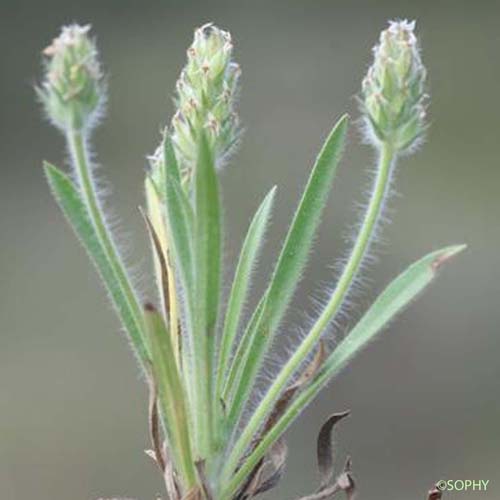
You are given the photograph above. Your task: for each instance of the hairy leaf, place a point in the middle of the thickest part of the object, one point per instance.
(390, 302)
(207, 267)
(207, 237)
(171, 393)
(291, 261)
(179, 222)
(241, 283)
(75, 210)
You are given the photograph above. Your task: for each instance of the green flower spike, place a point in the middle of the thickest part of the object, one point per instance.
(73, 90)
(206, 95)
(393, 92)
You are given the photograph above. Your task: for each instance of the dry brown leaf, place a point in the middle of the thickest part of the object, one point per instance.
(195, 493)
(344, 483)
(171, 484)
(252, 480)
(255, 483)
(277, 460)
(267, 473)
(205, 485)
(435, 494)
(154, 424)
(325, 450)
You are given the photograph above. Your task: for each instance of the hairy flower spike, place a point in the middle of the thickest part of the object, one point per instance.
(393, 90)
(72, 92)
(206, 94)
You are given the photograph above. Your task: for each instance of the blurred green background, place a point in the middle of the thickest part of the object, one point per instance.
(424, 397)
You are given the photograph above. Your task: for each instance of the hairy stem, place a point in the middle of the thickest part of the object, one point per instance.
(80, 157)
(380, 189)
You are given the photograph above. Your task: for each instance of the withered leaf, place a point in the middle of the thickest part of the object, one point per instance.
(435, 494)
(325, 450)
(324, 494)
(154, 427)
(171, 484)
(195, 493)
(344, 483)
(277, 459)
(205, 485)
(260, 482)
(255, 484)
(246, 490)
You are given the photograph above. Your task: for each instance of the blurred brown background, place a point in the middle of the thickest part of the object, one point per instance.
(424, 397)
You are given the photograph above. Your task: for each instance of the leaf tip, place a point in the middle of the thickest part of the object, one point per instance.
(344, 118)
(269, 199)
(47, 166)
(343, 122)
(446, 255)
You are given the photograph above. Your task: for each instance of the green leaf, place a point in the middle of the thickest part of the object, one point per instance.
(290, 264)
(170, 160)
(241, 283)
(75, 210)
(180, 227)
(171, 393)
(207, 265)
(396, 296)
(389, 303)
(179, 222)
(207, 235)
(244, 345)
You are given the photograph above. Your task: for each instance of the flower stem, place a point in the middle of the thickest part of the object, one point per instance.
(358, 252)
(80, 157)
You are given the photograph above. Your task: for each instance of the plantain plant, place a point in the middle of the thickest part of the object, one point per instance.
(200, 355)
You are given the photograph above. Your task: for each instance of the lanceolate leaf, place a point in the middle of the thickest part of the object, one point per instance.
(391, 301)
(244, 345)
(171, 393)
(291, 260)
(74, 208)
(207, 236)
(179, 217)
(207, 264)
(241, 283)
